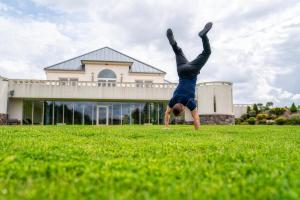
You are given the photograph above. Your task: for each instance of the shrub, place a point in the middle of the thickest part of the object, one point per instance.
(280, 121)
(255, 108)
(293, 108)
(244, 117)
(238, 121)
(252, 113)
(262, 121)
(270, 122)
(251, 120)
(294, 119)
(248, 109)
(277, 111)
(262, 116)
(244, 123)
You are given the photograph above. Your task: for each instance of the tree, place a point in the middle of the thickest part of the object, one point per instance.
(293, 108)
(269, 104)
(255, 108)
(248, 109)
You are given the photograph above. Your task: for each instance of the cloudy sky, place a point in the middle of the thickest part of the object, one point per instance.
(255, 43)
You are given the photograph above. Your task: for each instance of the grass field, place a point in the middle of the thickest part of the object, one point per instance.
(147, 162)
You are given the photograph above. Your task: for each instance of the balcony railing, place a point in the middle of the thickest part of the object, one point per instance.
(108, 84)
(92, 84)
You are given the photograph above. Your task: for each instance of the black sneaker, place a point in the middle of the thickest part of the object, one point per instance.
(171, 37)
(205, 30)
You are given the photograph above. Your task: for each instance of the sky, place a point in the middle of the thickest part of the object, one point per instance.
(255, 43)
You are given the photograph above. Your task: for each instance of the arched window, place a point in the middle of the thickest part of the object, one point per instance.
(107, 77)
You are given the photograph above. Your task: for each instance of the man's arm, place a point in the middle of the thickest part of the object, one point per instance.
(167, 116)
(196, 118)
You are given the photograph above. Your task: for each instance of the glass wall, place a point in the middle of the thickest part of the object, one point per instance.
(93, 113)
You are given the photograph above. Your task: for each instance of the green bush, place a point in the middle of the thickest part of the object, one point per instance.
(245, 123)
(244, 117)
(251, 120)
(277, 111)
(252, 113)
(262, 116)
(280, 121)
(262, 121)
(238, 121)
(294, 119)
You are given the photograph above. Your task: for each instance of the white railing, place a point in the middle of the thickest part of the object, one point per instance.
(107, 84)
(214, 83)
(92, 84)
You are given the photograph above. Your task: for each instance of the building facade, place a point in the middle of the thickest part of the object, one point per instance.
(110, 88)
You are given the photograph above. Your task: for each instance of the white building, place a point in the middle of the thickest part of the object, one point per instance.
(106, 87)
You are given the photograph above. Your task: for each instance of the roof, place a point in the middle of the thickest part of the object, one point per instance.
(105, 54)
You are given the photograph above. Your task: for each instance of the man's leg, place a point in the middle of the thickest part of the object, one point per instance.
(180, 57)
(200, 61)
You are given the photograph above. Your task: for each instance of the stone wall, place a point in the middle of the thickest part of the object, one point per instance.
(217, 119)
(3, 119)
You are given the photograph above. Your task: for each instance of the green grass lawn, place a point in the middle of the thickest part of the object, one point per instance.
(147, 162)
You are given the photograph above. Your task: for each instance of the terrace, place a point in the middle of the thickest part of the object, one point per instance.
(54, 89)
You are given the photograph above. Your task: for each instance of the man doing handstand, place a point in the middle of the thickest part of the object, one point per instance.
(184, 95)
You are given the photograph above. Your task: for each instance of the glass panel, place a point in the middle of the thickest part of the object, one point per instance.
(102, 115)
(89, 115)
(153, 110)
(58, 110)
(38, 112)
(126, 114)
(135, 113)
(68, 106)
(27, 112)
(117, 113)
(78, 113)
(146, 113)
(48, 113)
(107, 73)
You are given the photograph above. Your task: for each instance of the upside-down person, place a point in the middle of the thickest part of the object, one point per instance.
(184, 95)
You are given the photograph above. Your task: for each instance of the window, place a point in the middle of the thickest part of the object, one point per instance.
(63, 81)
(73, 81)
(215, 104)
(143, 83)
(107, 78)
(68, 81)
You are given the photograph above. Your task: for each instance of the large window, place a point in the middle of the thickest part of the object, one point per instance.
(107, 78)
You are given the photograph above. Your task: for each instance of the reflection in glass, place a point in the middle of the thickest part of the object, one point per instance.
(135, 113)
(27, 112)
(78, 113)
(38, 112)
(89, 113)
(58, 112)
(126, 114)
(116, 113)
(68, 112)
(48, 112)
